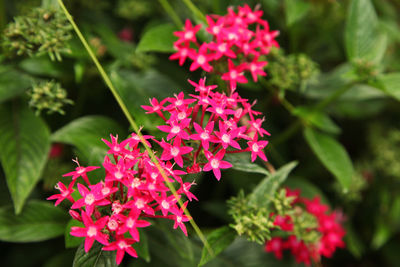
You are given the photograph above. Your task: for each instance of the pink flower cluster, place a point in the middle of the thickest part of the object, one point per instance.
(239, 40)
(329, 228)
(132, 190)
(204, 127)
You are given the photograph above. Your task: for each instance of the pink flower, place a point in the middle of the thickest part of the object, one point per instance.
(175, 151)
(122, 245)
(188, 34)
(176, 129)
(201, 59)
(81, 172)
(92, 231)
(256, 147)
(65, 193)
(234, 75)
(215, 163)
(180, 218)
(276, 246)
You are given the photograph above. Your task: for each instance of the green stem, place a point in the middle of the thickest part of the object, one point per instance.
(195, 10)
(124, 108)
(171, 12)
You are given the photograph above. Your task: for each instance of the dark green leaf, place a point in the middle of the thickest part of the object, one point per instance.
(12, 83)
(142, 247)
(317, 118)
(242, 162)
(218, 240)
(364, 40)
(96, 257)
(72, 241)
(158, 39)
(391, 84)
(266, 189)
(25, 144)
(85, 133)
(42, 66)
(38, 221)
(295, 10)
(136, 89)
(332, 155)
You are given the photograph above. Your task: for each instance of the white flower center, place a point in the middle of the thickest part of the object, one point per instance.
(165, 204)
(233, 74)
(188, 35)
(80, 170)
(255, 147)
(122, 244)
(130, 222)
(119, 175)
(174, 151)
(112, 224)
(225, 138)
(219, 110)
(175, 129)
(201, 59)
(214, 163)
(89, 199)
(181, 115)
(105, 191)
(222, 48)
(179, 219)
(135, 183)
(204, 136)
(139, 203)
(92, 231)
(178, 102)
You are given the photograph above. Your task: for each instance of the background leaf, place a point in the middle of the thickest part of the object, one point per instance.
(72, 241)
(391, 84)
(268, 186)
(85, 133)
(95, 257)
(295, 10)
(25, 144)
(38, 221)
(218, 240)
(12, 83)
(332, 155)
(158, 39)
(241, 162)
(363, 38)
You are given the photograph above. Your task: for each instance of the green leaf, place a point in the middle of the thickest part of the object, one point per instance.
(135, 90)
(391, 84)
(72, 241)
(332, 155)
(38, 221)
(12, 83)
(295, 10)
(85, 133)
(142, 247)
(363, 38)
(95, 257)
(42, 66)
(241, 162)
(266, 189)
(25, 144)
(158, 39)
(317, 118)
(218, 240)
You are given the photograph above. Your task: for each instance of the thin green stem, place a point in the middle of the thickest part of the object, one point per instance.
(132, 122)
(195, 10)
(171, 12)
